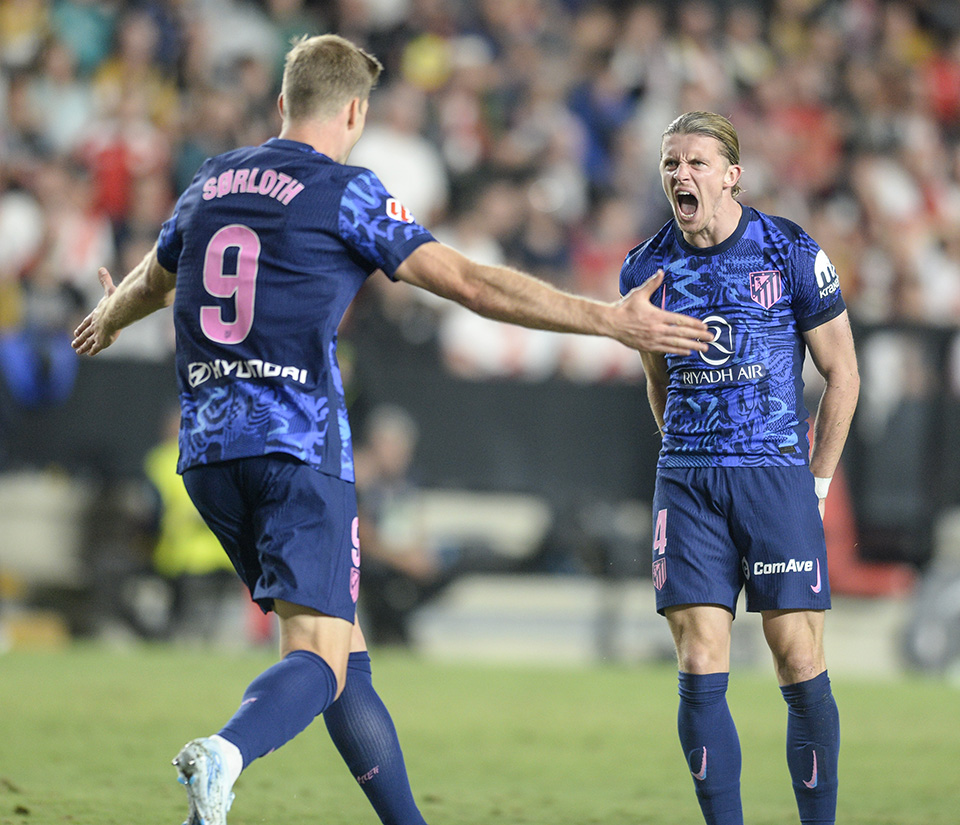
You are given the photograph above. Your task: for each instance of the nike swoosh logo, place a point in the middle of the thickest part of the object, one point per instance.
(817, 587)
(703, 766)
(813, 778)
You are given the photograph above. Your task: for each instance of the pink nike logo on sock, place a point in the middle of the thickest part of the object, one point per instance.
(813, 779)
(816, 587)
(703, 767)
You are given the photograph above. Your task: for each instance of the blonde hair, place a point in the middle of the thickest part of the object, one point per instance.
(323, 73)
(712, 125)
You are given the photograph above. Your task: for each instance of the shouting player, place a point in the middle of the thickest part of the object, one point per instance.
(265, 250)
(739, 498)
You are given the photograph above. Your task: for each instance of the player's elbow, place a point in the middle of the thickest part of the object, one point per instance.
(159, 284)
(853, 383)
(848, 378)
(471, 289)
(445, 272)
(844, 381)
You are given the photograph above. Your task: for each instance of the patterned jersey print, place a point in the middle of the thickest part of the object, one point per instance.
(741, 402)
(270, 244)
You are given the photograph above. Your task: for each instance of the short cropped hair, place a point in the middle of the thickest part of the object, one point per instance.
(711, 125)
(323, 73)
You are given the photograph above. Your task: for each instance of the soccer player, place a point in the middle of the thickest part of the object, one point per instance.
(264, 251)
(739, 498)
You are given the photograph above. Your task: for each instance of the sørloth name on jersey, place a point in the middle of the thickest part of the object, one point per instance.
(200, 372)
(268, 182)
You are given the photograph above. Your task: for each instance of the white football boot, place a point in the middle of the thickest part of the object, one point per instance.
(201, 769)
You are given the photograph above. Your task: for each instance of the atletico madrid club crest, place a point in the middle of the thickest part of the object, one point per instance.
(765, 287)
(659, 573)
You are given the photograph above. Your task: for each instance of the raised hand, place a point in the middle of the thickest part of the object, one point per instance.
(92, 336)
(652, 329)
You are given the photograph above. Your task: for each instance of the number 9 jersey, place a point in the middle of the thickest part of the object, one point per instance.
(270, 245)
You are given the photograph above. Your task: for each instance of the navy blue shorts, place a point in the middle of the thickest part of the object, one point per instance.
(720, 529)
(290, 531)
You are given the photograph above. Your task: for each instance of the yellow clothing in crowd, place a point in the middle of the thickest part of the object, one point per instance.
(186, 546)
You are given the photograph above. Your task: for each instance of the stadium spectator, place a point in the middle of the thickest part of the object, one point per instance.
(394, 147)
(225, 33)
(61, 102)
(137, 68)
(78, 233)
(86, 27)
(121, 145)
(23, 226)
(22, 136)
(206, 599)
(35, 354)
(747, 56)
(465, 129)
(696, 52)
(23, 28)
(402, 569)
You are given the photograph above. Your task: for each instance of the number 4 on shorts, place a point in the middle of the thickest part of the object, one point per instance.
(660, 533)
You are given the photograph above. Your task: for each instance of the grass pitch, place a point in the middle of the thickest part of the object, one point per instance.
(87, 734)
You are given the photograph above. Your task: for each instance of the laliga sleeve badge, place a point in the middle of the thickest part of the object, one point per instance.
(398, 211)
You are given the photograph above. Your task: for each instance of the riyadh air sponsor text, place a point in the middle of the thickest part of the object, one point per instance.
(727, 375)
(721, 352)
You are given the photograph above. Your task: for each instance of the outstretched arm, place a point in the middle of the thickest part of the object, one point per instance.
(506, 294)
(147, 288)
(831, 347)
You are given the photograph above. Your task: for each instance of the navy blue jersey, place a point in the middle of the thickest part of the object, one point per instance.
(741, 403)
(270, 244)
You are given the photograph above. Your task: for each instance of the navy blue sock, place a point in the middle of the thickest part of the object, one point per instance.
(361, 728)
(711, 746)
(813, 748)
(280, 703)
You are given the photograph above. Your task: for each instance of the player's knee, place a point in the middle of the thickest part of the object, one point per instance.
(336, 662)
(701, 664)
(341, 674)
(703, 656)
(703, 650)
(800, 665)
(334, 655)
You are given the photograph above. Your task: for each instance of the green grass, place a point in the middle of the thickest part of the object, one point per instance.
(87, 734)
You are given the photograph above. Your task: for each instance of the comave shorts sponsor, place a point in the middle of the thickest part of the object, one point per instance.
(761, 568)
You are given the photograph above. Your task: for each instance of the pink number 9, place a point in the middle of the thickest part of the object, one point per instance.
(241, 287)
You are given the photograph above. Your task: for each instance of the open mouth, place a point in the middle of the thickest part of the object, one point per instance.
(686, 204)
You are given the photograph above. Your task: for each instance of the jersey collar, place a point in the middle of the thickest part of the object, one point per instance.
(746, 215)
(285, 143)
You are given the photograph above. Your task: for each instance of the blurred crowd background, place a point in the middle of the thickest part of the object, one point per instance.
(523, 132)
